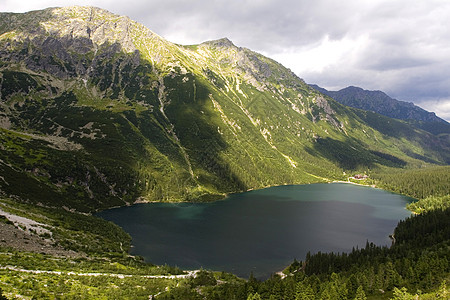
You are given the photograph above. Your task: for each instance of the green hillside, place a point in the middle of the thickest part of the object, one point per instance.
(98, 111)
(415, 267)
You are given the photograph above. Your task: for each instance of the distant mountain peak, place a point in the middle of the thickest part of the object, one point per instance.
(381, 103)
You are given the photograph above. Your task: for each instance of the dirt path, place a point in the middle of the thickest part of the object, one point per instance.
(70, 273)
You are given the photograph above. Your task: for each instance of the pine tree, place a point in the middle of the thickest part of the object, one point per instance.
(254, 296)
(360, 294)
(443, 292)
(304, 291)
(352, 284)
(2, 297)
(402, 294)
(289, 291)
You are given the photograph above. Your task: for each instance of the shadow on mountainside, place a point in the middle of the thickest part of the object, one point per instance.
(350, 155)
(131, 145)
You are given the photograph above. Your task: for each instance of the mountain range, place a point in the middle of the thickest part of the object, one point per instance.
(98, 111)
(381, 103)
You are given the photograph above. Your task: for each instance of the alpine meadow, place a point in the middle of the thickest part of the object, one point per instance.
(97, 111)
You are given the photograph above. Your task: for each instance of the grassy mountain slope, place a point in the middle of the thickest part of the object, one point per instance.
(416, 267)
(98, 111)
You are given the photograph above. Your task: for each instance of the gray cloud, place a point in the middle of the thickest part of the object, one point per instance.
(260, 25)
(401, 47)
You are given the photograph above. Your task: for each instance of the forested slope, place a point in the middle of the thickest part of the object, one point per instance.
(97, 111)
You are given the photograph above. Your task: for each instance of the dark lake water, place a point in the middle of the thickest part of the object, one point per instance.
(261, 231)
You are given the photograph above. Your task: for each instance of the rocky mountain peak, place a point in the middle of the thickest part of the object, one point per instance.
(380, 102)
(220, 43)
(76, 22)
(92, 23)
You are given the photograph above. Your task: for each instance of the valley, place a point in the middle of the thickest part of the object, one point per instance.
(97, 111)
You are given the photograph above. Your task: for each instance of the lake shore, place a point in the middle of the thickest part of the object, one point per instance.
(354, 183)
(220, 235)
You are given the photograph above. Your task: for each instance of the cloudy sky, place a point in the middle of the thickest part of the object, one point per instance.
(401, 47)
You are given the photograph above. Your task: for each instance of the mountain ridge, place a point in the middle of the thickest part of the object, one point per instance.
(380, 102)
(86, 127)
(98, 111)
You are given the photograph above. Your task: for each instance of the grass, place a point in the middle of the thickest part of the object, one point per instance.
(232, 120)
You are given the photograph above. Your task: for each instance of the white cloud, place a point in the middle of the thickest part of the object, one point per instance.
(442, 106)
(319, 57)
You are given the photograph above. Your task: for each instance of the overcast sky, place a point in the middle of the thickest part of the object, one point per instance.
(401, 47)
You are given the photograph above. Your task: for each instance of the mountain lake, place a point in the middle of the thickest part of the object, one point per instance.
(261, 231)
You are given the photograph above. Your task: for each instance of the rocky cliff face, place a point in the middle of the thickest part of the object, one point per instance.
(91, 25)
(96, 110)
